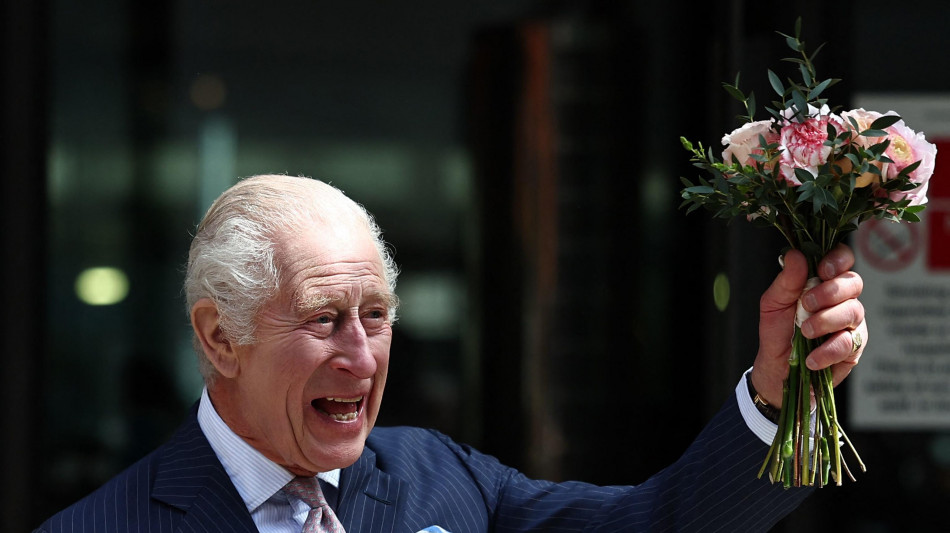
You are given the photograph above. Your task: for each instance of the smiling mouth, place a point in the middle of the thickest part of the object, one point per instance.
(339, 409)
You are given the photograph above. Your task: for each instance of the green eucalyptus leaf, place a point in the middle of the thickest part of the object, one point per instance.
(805, 72)
(885, 122)
(805, 191)
(793, 43)
(908, 216)
(879, 148)
(831, 133)
(734, 92)
(804, 176)
(776, 83)
(826, 198)
(801, 105)
(909, 168)
(818, 89)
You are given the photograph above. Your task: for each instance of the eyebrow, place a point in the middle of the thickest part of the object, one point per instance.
(306, 304)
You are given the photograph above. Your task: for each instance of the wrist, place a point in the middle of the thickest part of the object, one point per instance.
(768, 410)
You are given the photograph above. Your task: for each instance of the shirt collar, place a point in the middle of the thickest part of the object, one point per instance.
(255, 477)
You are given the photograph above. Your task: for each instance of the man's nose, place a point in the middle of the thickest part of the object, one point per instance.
(353, 353)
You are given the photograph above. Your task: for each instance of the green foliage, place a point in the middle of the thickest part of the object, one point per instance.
(825, 207)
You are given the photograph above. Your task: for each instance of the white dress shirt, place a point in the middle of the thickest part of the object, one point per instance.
(761, 426)
(258, 479)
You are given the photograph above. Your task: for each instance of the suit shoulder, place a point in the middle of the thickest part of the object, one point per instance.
(411, 452)
(413, 441)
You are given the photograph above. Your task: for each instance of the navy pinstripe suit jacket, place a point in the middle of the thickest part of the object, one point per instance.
(410, 478)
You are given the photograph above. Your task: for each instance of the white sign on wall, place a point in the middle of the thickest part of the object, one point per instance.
(903, 381)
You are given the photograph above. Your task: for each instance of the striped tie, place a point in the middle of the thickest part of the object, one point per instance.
(321, 518)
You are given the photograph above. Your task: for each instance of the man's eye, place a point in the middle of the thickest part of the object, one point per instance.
(323, 319)
(374, 318)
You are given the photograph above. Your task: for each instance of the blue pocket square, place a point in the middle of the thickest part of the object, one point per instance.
(433, 529)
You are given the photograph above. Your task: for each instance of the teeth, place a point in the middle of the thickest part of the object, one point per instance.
(349, 416)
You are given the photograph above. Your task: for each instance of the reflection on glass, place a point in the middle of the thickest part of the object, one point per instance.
(102, 286)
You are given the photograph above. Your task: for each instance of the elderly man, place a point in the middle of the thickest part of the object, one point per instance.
(291, 296)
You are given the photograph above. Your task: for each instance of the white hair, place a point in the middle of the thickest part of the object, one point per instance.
(232, 260)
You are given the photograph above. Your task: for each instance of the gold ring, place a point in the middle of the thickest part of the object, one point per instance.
(856, 341)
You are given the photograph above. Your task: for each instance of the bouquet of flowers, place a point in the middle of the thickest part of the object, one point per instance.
(813, 174)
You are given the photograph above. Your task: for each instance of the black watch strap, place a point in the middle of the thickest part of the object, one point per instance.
(763, 406)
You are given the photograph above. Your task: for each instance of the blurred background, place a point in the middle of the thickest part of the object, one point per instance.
(523, 160)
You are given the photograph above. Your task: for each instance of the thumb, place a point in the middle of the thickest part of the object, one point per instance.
(776, 325)
(787, 286)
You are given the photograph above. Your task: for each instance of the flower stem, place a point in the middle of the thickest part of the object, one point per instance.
(807, 451)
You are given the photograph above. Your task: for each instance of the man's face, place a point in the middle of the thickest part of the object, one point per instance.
(308, 392)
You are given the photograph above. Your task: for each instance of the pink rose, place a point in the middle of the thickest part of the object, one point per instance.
(744, 142)
(907, 147)
(803, 145)
(864, 119)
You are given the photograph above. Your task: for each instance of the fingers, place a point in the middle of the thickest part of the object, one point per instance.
(837, 315)
(833, 291)
(834, 305)
(841, 351)
(839, 260)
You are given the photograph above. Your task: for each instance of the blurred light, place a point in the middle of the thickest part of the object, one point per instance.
(208, 92)
(721, 291)
(656, 193)
(102, 286)
(430, 304)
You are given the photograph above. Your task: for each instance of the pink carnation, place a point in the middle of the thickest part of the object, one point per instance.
(803, 145)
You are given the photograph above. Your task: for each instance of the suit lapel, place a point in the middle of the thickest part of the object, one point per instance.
(190, 478)
(370, 499)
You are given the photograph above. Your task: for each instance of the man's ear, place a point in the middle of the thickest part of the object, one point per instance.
(206, 322)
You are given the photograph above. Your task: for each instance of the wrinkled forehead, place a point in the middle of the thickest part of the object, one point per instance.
(325, 236)
(323, 245)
